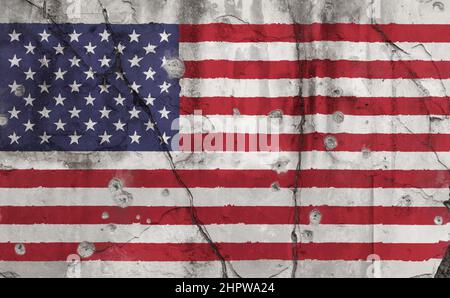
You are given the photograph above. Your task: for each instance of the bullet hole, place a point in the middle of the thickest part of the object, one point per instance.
(138, 217)
(330, 143)
(175, 68)
(111, 228)
(307, 236)
(236, 112)
(277, 114)
(366, 153)
(338, 117)
(336, 92)
(166, 193)
(406, 201)
(439, 6)
(115, 185)
(315, 217)
(280, 166)
(3, 120)
(86, 250)
(124, 199)
(105, 215)
(20, 249)
(276, 186)
(20, 91)
(438, 220)
(447, 204)
(149, 221)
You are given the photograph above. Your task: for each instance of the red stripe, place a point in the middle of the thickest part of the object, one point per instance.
(315, 142)
(221, 215)
(315, 32)
(226, 178)
(47, 252)
(209, 69)
(357, 106)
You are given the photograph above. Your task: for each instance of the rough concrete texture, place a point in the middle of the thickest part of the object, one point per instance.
(234, 12)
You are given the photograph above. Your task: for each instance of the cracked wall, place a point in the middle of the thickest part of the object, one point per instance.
(292, 194)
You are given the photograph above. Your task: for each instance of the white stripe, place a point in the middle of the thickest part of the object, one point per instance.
(277, 161)
(148, 197)
(314, 87)
(322, 50)
(238, 233)
(247, 269)
(257, 12)
(402, 124)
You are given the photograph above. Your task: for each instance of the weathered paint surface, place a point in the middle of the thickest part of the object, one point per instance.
(227, 11)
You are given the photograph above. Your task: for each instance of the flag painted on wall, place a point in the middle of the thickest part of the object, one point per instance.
(339, 119)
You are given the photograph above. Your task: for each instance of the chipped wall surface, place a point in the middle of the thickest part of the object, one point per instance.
(251, 12)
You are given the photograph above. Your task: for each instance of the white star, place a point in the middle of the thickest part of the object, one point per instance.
(135, 138)
(164, 113)
(90, 100)
(14, 36)
(120, 48)
(90, 74)
(120, 75)
(119, 100)
(14, 87)
(30, 48)
(150, 74)
(29, 126)
(60, 125)
(14, 61)
(164, 139)
(44, 61)
(150, 100)
(14, 113)
(104, 88)
(74, 139)
(150, 49)
(105, 36)
(90, 125)
(90, 48)
(75, 87)
(45, 138)
(119, 125)
(150, 126)
(59, 100)
(60, 74)
(165, 87)
(105, 113)
(135, 61)
(164, 61)
(134, 113)
(44, 36)
(75, 61)
(165, 36)
(59, 49)
(44, 87)
(74, 113)
(14, 138)
(135, 87)
(30, 74)
(45, 113)
(106, 138)
(75, 36)
(29, 100)
(134, 36)
(105, 61)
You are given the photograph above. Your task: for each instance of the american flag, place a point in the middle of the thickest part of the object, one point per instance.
(112, 162)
